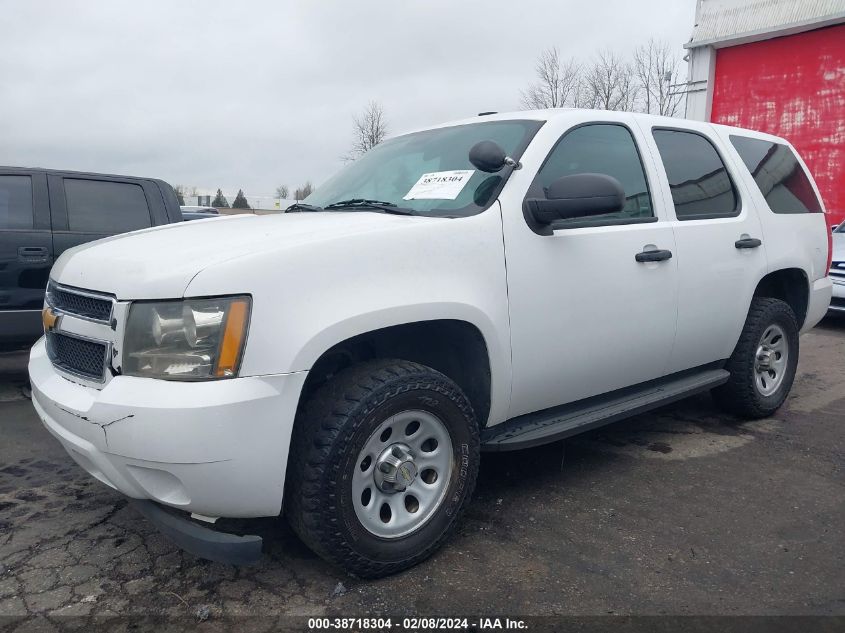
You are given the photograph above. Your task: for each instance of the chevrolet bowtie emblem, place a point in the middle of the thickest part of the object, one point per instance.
(49, 318)
(406, 474)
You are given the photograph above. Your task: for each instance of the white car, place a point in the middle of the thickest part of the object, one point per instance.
(837, 270)
(490, 284)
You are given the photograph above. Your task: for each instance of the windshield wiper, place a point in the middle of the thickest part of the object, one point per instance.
(364, 203)
(302, 206)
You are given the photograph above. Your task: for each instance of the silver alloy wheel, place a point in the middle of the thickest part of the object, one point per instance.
(771, 360)
(402, 474)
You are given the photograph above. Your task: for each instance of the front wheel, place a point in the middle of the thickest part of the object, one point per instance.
(383, 461)
(764, 362)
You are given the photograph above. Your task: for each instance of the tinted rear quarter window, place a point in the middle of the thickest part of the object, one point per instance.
(700, 184)
(15, 202)
(100, 206)
(778, 175)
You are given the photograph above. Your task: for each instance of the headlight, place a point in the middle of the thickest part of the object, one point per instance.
(194, 339)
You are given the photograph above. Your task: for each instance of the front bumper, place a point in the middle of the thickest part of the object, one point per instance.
(215, 449)
(199, 540)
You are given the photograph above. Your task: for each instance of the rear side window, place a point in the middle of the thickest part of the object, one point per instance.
(700, 184)
(15, 202)
(778, 175)
(100, 206)
(600, 148)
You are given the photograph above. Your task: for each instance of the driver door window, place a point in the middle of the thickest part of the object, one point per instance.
(602, 148)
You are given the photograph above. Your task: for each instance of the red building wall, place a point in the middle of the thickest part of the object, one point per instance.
(794, 87)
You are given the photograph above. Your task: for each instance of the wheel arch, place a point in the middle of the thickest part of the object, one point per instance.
(456, 348)
(790, 285)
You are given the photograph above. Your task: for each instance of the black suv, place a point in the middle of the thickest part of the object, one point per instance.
(44, 212)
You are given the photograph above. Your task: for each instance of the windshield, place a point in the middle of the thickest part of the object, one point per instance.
(390, 171)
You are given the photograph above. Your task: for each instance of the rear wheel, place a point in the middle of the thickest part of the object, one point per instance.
(764, 361)
(383, 461)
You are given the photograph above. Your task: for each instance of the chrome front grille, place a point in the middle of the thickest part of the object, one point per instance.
(81, 303)
(79, 331)
(75, 355)
(837, 269)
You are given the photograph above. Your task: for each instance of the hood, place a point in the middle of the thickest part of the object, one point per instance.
(159, 263)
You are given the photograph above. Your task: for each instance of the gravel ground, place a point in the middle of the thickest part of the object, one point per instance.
(681, 511)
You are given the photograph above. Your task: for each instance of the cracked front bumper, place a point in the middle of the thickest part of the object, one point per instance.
(217, 449)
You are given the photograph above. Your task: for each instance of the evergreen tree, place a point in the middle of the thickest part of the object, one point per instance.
(220, 201)
(240, 201)
(180, 194)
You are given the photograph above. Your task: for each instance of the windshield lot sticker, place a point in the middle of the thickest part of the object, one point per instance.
(440, 185)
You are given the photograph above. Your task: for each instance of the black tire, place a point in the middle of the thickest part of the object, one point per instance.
(741, 395)
(329, 433)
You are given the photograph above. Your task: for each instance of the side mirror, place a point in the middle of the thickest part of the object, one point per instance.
(577, 196)
(489, 157)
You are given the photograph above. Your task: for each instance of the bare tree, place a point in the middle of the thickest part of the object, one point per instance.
(300, 193)
(610, 83)
(282, 192)
(370, 130)
(656, 68)
(627, 88)
(557, 85)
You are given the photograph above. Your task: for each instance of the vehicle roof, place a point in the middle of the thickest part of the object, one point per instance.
(68, 172)
(573, 113)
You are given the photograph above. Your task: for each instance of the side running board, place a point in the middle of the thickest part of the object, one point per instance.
(557, 423)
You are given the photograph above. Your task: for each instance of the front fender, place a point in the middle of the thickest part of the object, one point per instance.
(358, 324)
(308, 299)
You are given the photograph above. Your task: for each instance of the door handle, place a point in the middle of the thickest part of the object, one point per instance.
(32, 254)
(653, 256)
(747, 242)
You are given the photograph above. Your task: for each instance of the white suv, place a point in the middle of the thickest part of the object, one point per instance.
(490, 284)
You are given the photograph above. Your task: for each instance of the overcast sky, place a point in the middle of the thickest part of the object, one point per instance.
(254, 94)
